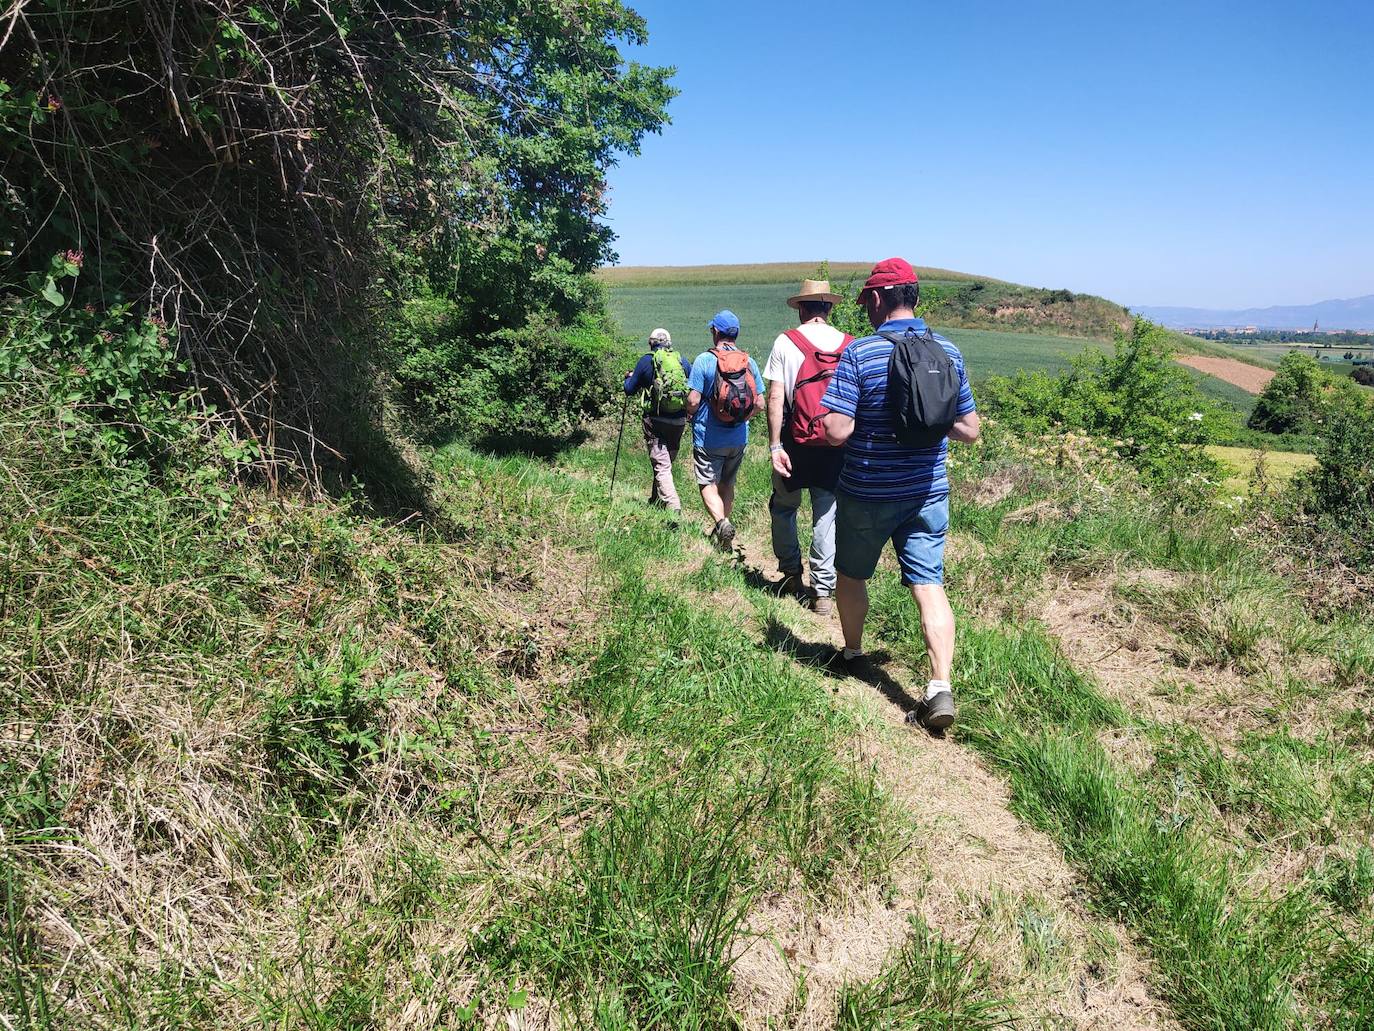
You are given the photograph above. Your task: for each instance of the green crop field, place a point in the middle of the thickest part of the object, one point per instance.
(763, 312)
(1241, 461)
(1332, 359)
(684, 309)
(774, 273)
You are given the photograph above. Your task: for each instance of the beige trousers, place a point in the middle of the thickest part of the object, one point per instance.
(663, 441)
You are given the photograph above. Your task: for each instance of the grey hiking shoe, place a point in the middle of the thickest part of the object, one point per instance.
(936, 713)
(823, 605)
(724, 535)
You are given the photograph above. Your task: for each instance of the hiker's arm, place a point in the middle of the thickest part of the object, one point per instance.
(966, 428)
(838, 428)
(782, 463)
(634, 381)
(693, 402)
(775, 402)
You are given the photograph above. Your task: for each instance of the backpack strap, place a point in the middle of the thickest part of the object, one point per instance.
(897, 338)
(806, 347)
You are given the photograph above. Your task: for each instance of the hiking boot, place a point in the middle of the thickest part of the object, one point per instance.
(861, 666)
(823, 605)
(724, 534)
(936, 713)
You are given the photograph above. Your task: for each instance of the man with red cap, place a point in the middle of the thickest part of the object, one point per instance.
(890, 489)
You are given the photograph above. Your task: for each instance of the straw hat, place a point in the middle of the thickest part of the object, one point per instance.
(814, 290)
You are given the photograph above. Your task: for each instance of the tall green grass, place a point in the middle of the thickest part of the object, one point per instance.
(1157, 843)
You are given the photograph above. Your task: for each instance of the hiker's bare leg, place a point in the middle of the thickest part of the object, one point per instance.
(937, 624)
(727, 498)
(715, 507)
(852, 597)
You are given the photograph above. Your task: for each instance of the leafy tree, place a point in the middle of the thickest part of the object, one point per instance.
(274, 179)
(1293, 401)
(1339, 494)
(1363, 375)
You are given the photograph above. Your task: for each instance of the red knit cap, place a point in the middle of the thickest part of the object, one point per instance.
(890, 272)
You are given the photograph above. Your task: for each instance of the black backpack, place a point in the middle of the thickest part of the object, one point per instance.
(922, 388)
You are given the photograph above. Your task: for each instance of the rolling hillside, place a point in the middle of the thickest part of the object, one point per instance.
(646, 296)
(1005, 326)
(1352, 313)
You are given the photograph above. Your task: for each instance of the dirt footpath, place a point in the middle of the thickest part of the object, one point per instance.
(1250, 378)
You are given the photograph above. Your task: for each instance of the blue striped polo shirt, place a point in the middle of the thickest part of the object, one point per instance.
(876, 467)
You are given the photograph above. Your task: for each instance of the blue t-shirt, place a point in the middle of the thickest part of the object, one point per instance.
(876, 466)
(707, 430)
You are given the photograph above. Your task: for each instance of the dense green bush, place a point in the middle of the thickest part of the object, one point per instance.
(1363, 375)
(1338, 496)
(539, 380)
(1137, 398)
(1293, 401)
(112, 378)
(270, 178)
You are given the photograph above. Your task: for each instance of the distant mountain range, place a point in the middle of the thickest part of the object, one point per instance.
(1355, 313)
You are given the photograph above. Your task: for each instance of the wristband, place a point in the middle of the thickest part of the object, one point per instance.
(776, 448)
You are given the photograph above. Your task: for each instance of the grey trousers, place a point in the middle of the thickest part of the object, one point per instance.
(782, 507)
(663, 443)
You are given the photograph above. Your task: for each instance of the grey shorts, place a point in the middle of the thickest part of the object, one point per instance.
(716, 464)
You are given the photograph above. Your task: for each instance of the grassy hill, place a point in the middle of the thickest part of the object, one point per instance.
(543, 759)
(948, 298)
(682, 298)
(768, 272)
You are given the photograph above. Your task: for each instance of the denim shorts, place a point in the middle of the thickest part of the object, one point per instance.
(916, 527)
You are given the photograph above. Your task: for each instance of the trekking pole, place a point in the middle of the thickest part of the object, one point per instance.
(616, 466)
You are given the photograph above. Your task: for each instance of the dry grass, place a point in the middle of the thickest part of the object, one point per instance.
(974, 872)
(1277, 467)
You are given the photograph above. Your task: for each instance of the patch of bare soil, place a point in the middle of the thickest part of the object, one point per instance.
(975, 873)
(1250, 378)
(1134, 658)
(1139, 660)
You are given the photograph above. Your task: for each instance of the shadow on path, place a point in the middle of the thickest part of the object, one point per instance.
(823, 657)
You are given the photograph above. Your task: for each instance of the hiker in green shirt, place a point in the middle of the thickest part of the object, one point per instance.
(660, 376)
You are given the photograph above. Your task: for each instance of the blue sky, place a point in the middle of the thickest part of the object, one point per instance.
(1213, 154)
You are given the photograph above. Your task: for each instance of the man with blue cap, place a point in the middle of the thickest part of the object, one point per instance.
(724, 394)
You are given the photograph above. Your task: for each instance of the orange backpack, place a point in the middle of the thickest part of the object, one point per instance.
(735, 395)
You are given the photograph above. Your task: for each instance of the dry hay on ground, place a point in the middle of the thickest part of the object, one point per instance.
(1250, 378)
(1135, 659)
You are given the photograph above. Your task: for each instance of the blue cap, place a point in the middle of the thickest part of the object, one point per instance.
(725, 321)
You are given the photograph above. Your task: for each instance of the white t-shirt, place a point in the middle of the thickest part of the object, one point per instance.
(785, 360)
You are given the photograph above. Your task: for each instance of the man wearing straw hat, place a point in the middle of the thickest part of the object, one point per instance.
(798, 370)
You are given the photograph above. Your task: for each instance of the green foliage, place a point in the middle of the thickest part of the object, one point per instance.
(1338, 496)
(537, 381)
(1137, 397)
(1363, 375)
(108, 369)
(1294, 400)
(110, 381)
(321, 734)
(266, 172)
